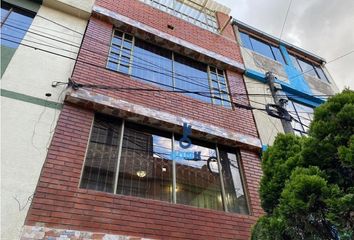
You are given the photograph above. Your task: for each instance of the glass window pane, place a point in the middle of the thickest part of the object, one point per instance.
(112, 65)
(145, 168)
(303, 115)
(152, 63)
(235, 195)
(246, 42)
(197, 184)
(101, 159)
(262, 48)
(15, 27)
(307, 68)
(278, 55)
(321, 73)
(120, 52)
(192, 76)
(295, 63)
(4, 12)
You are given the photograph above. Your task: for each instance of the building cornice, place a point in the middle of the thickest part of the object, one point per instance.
(161, 119)
(115, 18)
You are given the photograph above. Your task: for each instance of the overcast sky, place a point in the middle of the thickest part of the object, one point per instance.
(323, 27)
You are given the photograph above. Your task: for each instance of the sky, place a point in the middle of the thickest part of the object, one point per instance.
(323, 27)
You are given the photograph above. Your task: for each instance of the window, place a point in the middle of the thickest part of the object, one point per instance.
(120, 55)
(303, 116)
(190, 11)
(262, 48)
(14, 25)
(130, 159)
(153, 64)
(219, 87)
(309, 68)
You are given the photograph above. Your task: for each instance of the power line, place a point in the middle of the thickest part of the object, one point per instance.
(144, 68)
(110, 87)
(157, 66)
(286, 17)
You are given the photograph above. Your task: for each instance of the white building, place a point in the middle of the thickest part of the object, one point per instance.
(40, 42)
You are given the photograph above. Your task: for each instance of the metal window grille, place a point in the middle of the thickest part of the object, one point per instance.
(135, 160)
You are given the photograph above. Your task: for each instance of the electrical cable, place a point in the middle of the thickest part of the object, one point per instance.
(91, 64)
(183, 75)
(286, 17)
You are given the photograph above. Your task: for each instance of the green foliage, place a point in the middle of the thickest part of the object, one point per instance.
(278, 161)
(307, 188)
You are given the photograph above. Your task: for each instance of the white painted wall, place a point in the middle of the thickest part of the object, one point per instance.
(268, 127)
(26, 128)
(26, 131)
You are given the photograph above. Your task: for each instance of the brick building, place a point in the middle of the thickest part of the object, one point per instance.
(118, 164)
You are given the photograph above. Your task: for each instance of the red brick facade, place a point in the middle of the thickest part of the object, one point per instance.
(60, 203)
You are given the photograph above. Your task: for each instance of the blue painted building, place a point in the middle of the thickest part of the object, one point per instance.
(301, 77)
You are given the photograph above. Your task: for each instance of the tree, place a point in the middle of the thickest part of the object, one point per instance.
(307, 188)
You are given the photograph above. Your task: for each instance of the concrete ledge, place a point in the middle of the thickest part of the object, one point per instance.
(160, 119)
(72, 7)
(41, 232)
(117, 19)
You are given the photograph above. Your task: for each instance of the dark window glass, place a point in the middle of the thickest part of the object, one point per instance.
(192, 76)
(278, 55)
(235, 195)
(307, 68)
(262, 48)
(102, 154)
(15, 23)
(145, 169)
(152, 63)
(246, 42)
(321, 73)
(196, 184)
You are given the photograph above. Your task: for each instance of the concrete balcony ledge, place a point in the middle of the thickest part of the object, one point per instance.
(160, 119)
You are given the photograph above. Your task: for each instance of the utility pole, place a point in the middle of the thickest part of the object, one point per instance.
(280, 103)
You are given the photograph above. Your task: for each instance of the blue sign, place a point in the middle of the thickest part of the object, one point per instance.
(185, 142)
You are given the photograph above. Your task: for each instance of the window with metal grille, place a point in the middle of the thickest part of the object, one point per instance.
(190, 11)
(150, 63)
(135, 160)
(101, 158)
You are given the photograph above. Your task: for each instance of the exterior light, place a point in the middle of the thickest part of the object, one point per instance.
(141, 174)
(164, 169)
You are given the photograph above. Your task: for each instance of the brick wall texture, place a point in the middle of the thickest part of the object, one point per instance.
(60, 203)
